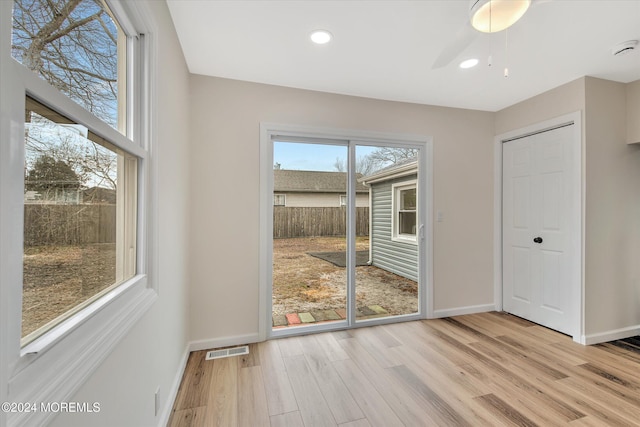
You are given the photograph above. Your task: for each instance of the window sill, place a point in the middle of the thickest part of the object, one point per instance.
(400, 239)
(50, 338)
(53, 366)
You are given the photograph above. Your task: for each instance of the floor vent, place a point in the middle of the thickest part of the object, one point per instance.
(227, 352)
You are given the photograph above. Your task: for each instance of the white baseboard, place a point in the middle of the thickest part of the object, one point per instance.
(459, 311)
(224, 342)
(196, 346)
(173, 392)
(616, 334)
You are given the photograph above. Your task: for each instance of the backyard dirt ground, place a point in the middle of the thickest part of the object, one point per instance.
(302, 283)
(57, 278)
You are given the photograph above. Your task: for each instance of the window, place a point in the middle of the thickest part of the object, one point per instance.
(343, 200)
(80, 188)
(78, 48)
(78, 220)
(78, 201)
(404, 211)
(279, 199)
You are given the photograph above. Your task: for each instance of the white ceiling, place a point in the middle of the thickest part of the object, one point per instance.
(385, 49)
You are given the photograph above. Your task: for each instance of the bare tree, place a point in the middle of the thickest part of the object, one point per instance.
(99, 166)
(366, 165)
(378, 159)
(72, 44)
(386, 156)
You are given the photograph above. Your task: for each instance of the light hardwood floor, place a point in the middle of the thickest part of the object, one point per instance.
(476, 370)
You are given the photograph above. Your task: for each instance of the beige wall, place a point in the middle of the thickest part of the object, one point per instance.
(562, 100)
(149, 356)
(612, 228)
(611, 172)
(225, 120)
(633, 112)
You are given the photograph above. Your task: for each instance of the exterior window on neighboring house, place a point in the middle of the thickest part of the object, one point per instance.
(80, 211)
(405, 213)
(279, 199)
(343, 200)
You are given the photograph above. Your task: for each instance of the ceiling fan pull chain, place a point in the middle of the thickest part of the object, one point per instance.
(490, 15)
(490, 60)
(506, 53)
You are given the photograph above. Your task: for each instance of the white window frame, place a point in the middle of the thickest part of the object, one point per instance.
(270, 132)
(54, 366)
(284, 199)
(396, 188)
(343, 200)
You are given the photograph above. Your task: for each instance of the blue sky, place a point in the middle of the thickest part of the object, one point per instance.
(315, 157)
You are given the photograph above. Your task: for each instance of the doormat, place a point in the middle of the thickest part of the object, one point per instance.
(631, 344)
(340, 258)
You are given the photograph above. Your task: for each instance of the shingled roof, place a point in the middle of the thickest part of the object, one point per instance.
(290, 181)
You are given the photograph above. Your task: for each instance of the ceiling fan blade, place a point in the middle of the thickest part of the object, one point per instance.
(464, 37)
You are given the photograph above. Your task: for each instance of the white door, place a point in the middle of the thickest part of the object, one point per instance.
(540, 216)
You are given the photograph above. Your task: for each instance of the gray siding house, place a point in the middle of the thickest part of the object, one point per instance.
(393, 219)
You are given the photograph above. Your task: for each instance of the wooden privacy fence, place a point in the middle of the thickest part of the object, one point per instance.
(315, 222)
(49, 224)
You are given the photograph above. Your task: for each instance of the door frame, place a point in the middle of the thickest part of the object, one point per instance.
(425, 177)
(577, 288)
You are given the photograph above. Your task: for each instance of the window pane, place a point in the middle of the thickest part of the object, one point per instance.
(387, 282)
(77, 47)
(408, 199)
(309, 236)
(79, 216)
(407, 223)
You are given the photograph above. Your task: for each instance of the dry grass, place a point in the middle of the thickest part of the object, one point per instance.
(302, 283)
(57, 278)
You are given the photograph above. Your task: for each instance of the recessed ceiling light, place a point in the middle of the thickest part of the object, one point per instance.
(469, 63)
(321, 36)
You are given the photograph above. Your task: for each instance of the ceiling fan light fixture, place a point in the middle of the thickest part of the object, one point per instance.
(491, 16)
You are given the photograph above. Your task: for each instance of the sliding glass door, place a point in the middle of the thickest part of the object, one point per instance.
(309, 235)
(348, 234)
(386, 270)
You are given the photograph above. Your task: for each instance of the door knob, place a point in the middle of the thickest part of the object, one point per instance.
(537, 240)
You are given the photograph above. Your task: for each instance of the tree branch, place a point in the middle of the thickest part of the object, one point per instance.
(65, 31)
(66, 66)
(32, 57)
(106, 30)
